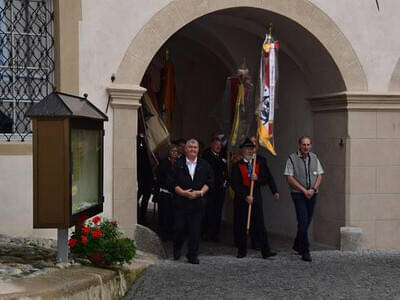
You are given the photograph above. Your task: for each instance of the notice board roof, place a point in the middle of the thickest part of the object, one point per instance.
(64, 105)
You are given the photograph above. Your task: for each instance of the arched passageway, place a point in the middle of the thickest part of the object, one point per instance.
(208, 47)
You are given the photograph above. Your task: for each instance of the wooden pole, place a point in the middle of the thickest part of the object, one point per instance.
(251, 190)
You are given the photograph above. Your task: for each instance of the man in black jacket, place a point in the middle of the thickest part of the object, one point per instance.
(165, 211)
(241, 177)
(144, 177)
(190, 179)
(215, 197)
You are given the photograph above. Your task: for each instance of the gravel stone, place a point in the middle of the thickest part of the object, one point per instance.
(331, 275)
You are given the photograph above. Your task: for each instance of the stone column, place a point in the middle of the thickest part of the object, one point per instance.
(125, 103)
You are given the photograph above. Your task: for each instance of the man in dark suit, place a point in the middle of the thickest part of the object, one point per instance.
(241, 178)
(215, 197)
(165, 211)
(190, 179)
(144, 177)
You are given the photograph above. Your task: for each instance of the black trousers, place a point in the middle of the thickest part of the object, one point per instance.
(187, 221)
(142, 209)
(165, 215)
(304, 212)
(256, 226)
(213, 213)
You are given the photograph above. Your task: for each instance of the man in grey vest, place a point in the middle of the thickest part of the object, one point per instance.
(304, 175)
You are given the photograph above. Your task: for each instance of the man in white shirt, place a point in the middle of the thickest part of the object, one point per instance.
(190, 179)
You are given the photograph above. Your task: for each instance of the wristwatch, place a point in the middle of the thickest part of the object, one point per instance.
(314, 189)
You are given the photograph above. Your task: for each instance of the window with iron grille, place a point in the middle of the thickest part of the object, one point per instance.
(26, 62)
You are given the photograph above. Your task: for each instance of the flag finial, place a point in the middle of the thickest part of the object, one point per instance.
(269, 37)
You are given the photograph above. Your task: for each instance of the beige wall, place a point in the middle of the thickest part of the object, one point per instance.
(374, 170)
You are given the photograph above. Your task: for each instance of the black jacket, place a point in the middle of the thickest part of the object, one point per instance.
(264, 177)
(218, 166)
(179, 176)
(162, 172)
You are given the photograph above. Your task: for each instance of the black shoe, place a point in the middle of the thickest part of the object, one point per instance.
(306, 256)
(299, 252)
(215, 239)
(177, 256)
(268, 254)
(193, 260)
(241, 254)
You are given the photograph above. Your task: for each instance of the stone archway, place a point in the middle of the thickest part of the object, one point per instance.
(179, 13)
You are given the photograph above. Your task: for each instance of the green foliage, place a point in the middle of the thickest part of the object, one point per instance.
(101, 242)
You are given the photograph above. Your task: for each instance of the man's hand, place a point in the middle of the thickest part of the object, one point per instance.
(276, 196)
(188, 194)
(254, 177)
(309, 193)
(191, 194)
(249, 199)
(197, 194)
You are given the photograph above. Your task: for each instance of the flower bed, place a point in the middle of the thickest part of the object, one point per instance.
(101, 242)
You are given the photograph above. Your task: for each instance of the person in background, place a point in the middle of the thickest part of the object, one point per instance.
(181, 143)
(145, 179)
(215, 198)
(165, 211)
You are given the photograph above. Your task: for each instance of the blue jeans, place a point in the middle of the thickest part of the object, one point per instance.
(304, 212)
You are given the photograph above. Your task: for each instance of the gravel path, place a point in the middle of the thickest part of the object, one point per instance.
(331, 275)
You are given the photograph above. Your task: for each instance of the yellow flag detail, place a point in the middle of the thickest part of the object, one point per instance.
(239, 101)
(265, 137)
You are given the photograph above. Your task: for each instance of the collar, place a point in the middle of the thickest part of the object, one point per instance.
(246, 161)
(301, 156)
(191, 163)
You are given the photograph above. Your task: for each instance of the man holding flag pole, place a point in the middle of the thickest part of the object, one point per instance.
(249, 174)
(247, 177)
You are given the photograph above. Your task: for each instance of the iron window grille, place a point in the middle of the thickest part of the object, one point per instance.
(26, 63)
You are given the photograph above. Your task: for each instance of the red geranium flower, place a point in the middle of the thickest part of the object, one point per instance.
(72, 243)
(96, 219)
(85, 230)
(97, 233)
(84, 239)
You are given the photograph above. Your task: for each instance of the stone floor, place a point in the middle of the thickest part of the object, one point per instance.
(332, 275)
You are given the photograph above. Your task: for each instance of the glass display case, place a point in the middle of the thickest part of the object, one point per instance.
(68, 142)
(85, 149)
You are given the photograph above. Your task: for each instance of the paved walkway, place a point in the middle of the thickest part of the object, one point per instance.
(331, 275)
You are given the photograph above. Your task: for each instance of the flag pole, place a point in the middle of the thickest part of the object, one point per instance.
(252, 183)
(269, 39)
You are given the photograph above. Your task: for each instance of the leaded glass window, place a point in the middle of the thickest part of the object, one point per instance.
(26, 62)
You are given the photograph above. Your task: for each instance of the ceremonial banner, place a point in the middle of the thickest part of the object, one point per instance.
(268, 81)
(155, 129)
(168, 96)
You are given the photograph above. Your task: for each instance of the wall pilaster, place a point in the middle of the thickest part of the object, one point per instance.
(125, 104)
(361, 182)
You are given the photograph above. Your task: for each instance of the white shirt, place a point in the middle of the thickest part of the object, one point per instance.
(191, 166)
